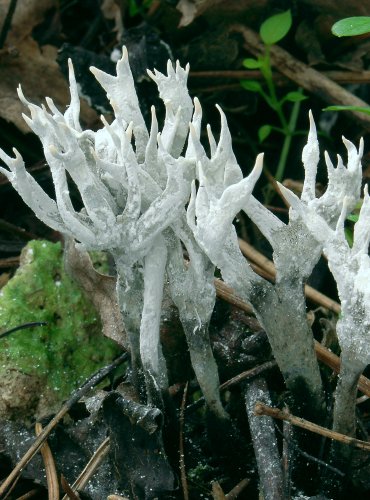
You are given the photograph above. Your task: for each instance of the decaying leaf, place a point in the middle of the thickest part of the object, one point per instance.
(100, 288)
(24, 62)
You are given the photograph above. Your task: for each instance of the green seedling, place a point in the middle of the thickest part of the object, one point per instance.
(274, 29)
(351, 26)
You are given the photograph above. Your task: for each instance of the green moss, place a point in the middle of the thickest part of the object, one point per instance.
(71, 347)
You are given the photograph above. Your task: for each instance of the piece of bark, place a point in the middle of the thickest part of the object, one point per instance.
(304, 76)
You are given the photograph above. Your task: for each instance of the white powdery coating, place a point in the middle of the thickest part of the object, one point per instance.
(351, 270)
(124, 206)
(179, 107)
(134, 197)
(129, 195)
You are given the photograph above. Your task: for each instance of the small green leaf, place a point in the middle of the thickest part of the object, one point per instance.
(252, 63)
(264, 132)
(294, 97)
(276, 27)
(353, 217)
(348, 108)
(251, 85)
(351, 26)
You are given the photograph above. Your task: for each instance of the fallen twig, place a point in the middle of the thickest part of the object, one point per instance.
(226, 293)
(29, 494)
(9, 262)
(344, 77)
(248, 374)
(290, 442)
(13, 229)
(90, 467)
(261, 409)
(50, 470)
(241, 377)
(68, 490)
(287, 457)
(7, 22)
(235, 492)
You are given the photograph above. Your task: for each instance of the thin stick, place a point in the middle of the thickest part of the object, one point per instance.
(29, 494)
(22, 327)
(9, 262)
(287, 457)
(333, 361)
(261, 409)
(337, 76)
(76, 396)
(90, 467)
(248, 374)
(7, 22)
(235, 492)
(217, 491)
(227, 293)
(68, 490)
(306, 455)
(184, 482)
(51, 472)
(241, 377)
(13, 229)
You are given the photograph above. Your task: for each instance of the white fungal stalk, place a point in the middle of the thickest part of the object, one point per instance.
(281, 308)
(222, 193)
(134, 201)
(133, 207)
(351, 270)
(125, 208)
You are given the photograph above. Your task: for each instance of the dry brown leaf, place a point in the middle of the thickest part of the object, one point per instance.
(99, 288)
(35, 68)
